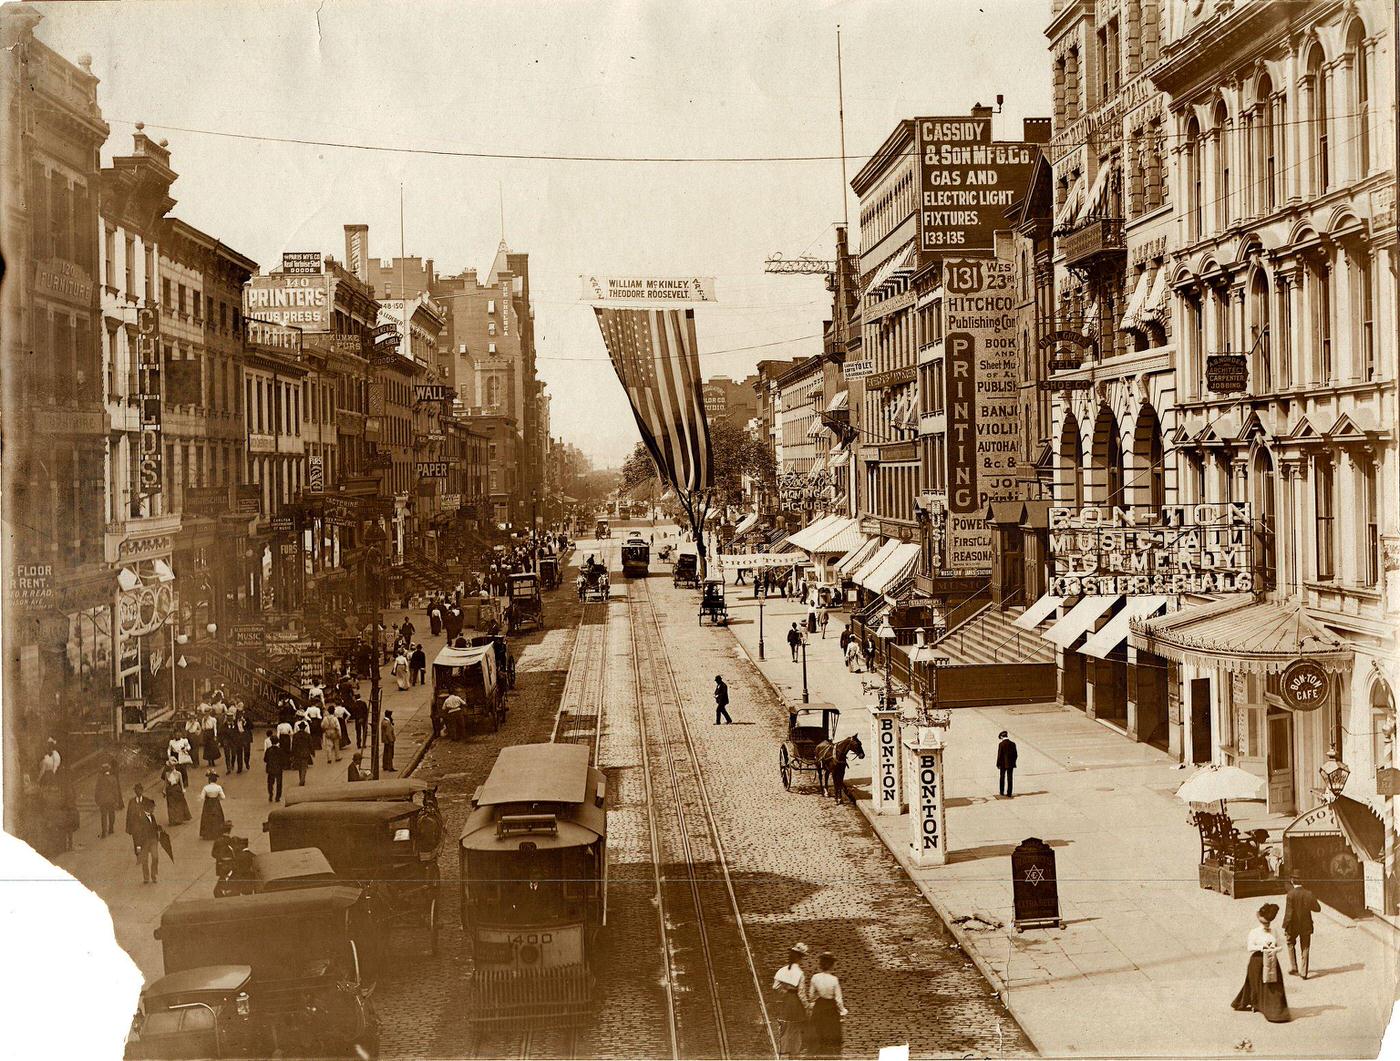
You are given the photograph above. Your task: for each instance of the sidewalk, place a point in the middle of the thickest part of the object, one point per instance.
(1147, 962)
(109, 868)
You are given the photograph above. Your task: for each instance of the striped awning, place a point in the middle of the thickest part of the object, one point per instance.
(842, 536)
(1133, 319)
(1242, 635)
(1096, 204)
(1080, 619)
(1038, 612)
(744, 524)
(1069, 209)
(897, 563)
(856, 557)
(815, 428)
(1113, 633)
(810, 535)
(840, 401)
(1155, 306)
(887, 269)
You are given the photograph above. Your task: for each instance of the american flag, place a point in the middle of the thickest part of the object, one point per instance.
(658, 361)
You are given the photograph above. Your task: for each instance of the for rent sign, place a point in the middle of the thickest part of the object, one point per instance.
(303, 302)
(966, 182)
(982, 412)
(1176, 549)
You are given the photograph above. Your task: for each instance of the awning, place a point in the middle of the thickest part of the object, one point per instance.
(841, 537)
(1038, 612)
(1005, 512)
(875, 559)
(885, 272)
(1114, 632)
(857, 556)
(744, 524)
(1091, 318)
(911, 409)
(1241, 635)
(840, 401)
(838, 459)
(818, 466)
(1155, 306)
(1355, 822)
(1080, 618)
(1069, 209)
(1096, 206)
(1132, 317)
(815, 428)
(895, 566)
(812, 534)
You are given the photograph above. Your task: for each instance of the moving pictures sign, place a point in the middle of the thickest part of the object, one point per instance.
(979, 328)
(966, 182)
(1104, 549)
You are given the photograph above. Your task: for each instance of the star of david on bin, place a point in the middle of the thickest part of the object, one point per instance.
(1035, 875)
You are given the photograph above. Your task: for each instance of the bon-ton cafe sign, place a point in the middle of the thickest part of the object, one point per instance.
(1105, 549)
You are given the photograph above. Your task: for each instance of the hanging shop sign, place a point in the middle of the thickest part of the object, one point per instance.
(205, 500)
(853, 369)
(647, 291)
(1053, 385)
(384, 332)
(247, 500)
(248, 635)
(301, 263)
(282, 522)
(892, 378)
(148, 402)
(1227, 373)
(432, 392)
(979, 326)
(1303, 685)
(966, 182)
(1176, 549)
(315, 475)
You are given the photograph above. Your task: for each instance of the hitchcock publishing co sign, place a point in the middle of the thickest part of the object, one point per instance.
(1131, 551)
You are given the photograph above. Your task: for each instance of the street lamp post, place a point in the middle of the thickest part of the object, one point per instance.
(762, 593)
(805, 699)
(886, 635)
(373, 568)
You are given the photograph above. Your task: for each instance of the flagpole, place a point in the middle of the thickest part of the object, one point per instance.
(841, 116)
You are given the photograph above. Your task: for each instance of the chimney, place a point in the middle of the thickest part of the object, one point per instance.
(979, 111)
(357, 251)
(1035, 130)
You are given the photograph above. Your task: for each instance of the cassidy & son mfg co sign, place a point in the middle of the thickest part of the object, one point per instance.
(1176, 549)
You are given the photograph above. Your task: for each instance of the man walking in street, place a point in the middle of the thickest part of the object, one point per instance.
(274, 762)
(1006, 763)
(109, 799)
(386, 738)
(794, 640)
(1298, 909)
(145, 834)
(721, 701)
(360, 714)
(417, 666)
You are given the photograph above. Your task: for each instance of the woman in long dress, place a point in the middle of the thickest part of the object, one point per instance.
(791, 984)
(400, 670)
(828, 1009)
(211, 816)
(182, 754)
(1263, 990)
(176, 807)
(854, 658)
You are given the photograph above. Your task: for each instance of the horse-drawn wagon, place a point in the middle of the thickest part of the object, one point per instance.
(712, 603)
(812, 747)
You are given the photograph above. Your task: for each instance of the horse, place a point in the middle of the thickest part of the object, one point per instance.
(831, 762)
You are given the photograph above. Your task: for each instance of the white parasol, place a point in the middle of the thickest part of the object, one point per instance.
(1212, 784)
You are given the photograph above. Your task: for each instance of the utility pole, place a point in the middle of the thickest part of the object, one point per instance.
(374, 540)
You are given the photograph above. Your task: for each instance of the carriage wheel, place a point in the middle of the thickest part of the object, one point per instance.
(495, 716)
(433, 928)
(785, 767)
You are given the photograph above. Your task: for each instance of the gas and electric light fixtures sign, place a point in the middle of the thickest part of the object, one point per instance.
(966, 182)
(1105, 549)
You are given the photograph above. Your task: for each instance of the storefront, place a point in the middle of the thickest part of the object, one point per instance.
(1337, 851)
(145, 642)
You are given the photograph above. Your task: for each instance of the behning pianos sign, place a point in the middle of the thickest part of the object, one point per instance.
(1106, 549)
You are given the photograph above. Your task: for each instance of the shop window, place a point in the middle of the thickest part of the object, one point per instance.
(1323, 488)
(1370, 559)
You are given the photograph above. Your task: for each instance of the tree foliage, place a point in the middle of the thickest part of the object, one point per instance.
(637, 468)
(736, 454)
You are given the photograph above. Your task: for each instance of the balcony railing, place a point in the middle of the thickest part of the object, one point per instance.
(1094, 238)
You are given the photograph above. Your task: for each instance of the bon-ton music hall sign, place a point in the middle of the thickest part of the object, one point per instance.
(966, 182)
(1161, 552)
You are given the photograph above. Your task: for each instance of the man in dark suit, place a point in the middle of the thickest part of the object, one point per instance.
(1006, 764)
(145, 834)
(721, 701)
(1298, 909)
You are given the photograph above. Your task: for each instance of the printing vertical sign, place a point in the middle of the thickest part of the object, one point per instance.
(148, 402)
(982, 423)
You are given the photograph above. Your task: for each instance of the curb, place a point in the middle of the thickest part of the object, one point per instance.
(963, 939)
(417, 759)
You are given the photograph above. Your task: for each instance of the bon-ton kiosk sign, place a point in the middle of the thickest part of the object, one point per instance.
(1164, 551)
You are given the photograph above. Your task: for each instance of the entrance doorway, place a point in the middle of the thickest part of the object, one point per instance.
(1280, 754)
(1202, 732)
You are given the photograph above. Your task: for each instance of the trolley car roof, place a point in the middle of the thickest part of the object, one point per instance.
(583, 824)
(538, 773)
(390, 788)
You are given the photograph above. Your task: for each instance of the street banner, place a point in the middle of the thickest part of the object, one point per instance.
(966, 182)
(647, 291)
(983, 412)
(657, 359)
(759, 561)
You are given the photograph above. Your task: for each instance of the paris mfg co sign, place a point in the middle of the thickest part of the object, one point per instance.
(1160, 552)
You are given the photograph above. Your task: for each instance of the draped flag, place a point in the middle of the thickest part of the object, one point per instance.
(658, 361)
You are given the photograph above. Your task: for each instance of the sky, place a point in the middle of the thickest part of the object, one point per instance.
(635, 80)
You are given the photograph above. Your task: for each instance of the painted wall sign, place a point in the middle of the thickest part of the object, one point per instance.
(301, 301)
(301, 263)
(63, 280)
(432, 469)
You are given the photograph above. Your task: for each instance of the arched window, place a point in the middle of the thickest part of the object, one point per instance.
(1361, 93)
(1222, 166)
(1382, 724)
(1193, 176)
(1071, 464)
(1317, 119)
(1259, 332)
(1147, 483)
(1266, 135)
(1106, 465)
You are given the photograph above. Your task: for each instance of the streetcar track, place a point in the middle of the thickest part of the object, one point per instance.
(644, 628)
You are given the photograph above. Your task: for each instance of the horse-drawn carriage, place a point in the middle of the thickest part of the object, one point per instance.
(812, 747)
(686, 571)
(472, 675)
(712, 603)
(548, 567)
(602, 530)
(525, 604)
(595, 586)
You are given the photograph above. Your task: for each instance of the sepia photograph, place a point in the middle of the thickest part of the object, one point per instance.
(699, 530)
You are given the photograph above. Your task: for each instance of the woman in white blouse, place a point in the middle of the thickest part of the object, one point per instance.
(791, 984)
(1263, 990)
(828, 1009)
(180, 750)
(211, 816)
